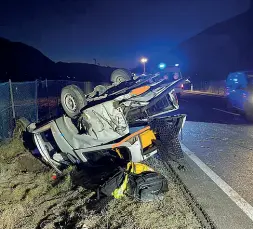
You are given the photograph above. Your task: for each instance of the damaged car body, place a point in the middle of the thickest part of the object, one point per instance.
(128, 120)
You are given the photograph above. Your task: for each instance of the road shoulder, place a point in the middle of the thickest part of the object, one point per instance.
(219, 207)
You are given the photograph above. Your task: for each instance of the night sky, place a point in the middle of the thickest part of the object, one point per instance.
(115, 32)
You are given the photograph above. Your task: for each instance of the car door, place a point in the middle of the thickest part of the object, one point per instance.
(240, 91)
(231, 86)
(241, 96)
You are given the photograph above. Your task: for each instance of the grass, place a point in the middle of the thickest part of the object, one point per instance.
(11, 150)
(171, 212)
(11, 216)
(29, 198)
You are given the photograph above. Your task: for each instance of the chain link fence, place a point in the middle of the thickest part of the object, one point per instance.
(35, 101)
(6, 118)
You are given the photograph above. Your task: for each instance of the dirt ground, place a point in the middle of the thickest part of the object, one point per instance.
(31, 199)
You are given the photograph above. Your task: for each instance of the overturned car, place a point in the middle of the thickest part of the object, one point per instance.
(126, 120)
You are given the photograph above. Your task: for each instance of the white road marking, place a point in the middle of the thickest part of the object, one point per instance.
(232, 194)
(228, 112)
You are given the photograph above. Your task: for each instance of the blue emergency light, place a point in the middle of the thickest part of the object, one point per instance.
(162, 66)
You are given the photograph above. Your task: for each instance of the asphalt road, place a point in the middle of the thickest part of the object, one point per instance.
(222, 140)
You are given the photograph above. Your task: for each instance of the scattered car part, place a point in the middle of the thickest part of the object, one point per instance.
(167, 141)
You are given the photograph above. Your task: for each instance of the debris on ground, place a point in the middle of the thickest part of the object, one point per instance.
(33, 196)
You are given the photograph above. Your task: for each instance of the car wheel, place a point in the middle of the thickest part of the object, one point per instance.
(120, 75)
(248, 109)
(229, 106)
(72, 100)
(249, 118)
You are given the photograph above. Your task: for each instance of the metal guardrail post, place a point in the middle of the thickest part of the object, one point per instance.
(12, 100)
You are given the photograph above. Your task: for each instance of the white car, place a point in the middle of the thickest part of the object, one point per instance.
(98, 125)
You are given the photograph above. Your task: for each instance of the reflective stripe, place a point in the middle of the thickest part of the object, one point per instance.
(130, 136)
(140, 90)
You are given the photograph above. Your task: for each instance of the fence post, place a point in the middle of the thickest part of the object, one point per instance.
(12, 100)
(48, 100)
(36, 101)
(2, 136)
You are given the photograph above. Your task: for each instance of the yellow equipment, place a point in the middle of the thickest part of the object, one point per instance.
(132, 167)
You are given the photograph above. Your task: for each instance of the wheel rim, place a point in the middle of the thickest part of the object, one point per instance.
(120, 79)
(70, 103)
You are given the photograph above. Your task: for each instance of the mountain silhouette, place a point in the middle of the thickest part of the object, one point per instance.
(218, 50)
(20, 62)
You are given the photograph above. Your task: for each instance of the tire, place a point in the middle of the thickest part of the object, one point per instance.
(249, 118)
(229, 106)
(120, 75)
(248, 109)
(73, 100)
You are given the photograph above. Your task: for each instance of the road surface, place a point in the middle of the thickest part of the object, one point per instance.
(221, 139)
(222, 145)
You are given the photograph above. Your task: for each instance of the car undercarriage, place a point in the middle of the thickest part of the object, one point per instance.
(122, 120)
